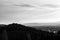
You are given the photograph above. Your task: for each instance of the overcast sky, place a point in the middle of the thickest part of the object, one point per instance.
(13, 11)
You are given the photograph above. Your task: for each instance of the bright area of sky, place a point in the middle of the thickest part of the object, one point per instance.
(42, 11)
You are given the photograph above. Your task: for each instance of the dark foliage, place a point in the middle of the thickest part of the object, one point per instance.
(20, 32)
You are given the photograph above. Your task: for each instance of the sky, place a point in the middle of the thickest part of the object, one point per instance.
(38, 11)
